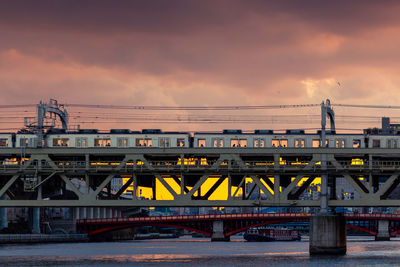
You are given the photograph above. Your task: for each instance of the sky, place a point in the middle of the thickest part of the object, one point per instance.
(201, 53)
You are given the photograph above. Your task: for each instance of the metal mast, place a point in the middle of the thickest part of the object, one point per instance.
(46, 119)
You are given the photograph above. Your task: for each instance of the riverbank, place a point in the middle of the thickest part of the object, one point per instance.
(42, 238)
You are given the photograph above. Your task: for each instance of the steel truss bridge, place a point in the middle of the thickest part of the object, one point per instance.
(44, 177)
(232, 223)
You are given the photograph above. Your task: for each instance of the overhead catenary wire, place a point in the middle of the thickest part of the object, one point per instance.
(366, 106)
(12, 115)
(190, 107)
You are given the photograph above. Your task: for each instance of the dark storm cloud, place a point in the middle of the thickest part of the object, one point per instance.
(263, 49)
(183, 17)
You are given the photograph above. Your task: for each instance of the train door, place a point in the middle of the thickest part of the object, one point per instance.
(218, 142)
(164, 142)
(259, 142)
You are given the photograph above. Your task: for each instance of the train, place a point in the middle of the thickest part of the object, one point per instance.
(386, 137)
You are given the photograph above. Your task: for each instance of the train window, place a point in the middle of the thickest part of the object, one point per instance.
(392, 143)
(180, 142)
(259, 142)
(275, 143)
(356, 143)
(122, 142)
(283, 142)
(234, 143)
(23, 142)
(4, 142)
(340, 143)
(299, 143)
(218, 142)
(60, 141)
(144, 142)
(316, 143)
(242, 142)
(102, 142)
(164, 142)
(81, 142)
(376, 143)
(238, 142)
(279, 143)
(201, 142)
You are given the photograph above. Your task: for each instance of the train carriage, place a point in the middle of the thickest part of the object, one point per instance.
(118, 139)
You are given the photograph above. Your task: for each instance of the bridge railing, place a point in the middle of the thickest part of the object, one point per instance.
(204, 165)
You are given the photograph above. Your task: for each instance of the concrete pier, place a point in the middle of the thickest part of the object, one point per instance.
(328, 234)
(3, 216)
(218, 232)
(34, 221)
(383, 231)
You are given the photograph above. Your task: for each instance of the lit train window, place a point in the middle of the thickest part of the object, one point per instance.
(144, 142)
(279, 143)
(81, 142)
(242, 142)
(60, 141)
(316, 143)
(356, 143)
(3, 142)
(218, 142)
(102, 142)
(259, 142)
(238, 142)
(180, 142)
(122, 142)
(201, 142)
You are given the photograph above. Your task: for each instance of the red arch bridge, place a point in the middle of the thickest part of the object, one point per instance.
(222, 226)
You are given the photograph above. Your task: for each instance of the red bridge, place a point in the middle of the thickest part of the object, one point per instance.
(230, 224)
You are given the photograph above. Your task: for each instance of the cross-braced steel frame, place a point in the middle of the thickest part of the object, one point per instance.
(66, 177)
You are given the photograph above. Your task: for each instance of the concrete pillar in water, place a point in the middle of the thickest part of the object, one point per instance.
(383, 231)
(35, 220)
(3, 216)
(327, 234)
(218, 232)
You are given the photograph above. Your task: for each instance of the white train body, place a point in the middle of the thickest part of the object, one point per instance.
(226, 139)
(118, 140)
(291, 139)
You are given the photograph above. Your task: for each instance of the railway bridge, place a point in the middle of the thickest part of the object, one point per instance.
(81, 177)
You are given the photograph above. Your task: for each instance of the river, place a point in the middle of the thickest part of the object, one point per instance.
(188, 251)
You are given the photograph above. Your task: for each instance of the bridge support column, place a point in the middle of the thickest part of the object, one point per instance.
(218, 232)
(327, 234)
(34, 214)
(383, 231)
(3, 216)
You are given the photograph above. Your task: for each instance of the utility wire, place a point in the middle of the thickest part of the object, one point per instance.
(190, 107)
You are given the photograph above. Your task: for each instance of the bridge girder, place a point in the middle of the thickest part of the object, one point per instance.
(66, 177)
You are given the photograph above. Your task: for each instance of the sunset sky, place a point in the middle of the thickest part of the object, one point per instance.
(203, 53)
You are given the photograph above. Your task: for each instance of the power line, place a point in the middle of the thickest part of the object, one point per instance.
(367, 106)
(190, 107)
(18, 106)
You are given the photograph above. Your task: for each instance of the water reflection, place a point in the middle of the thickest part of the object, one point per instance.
(192, 251)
